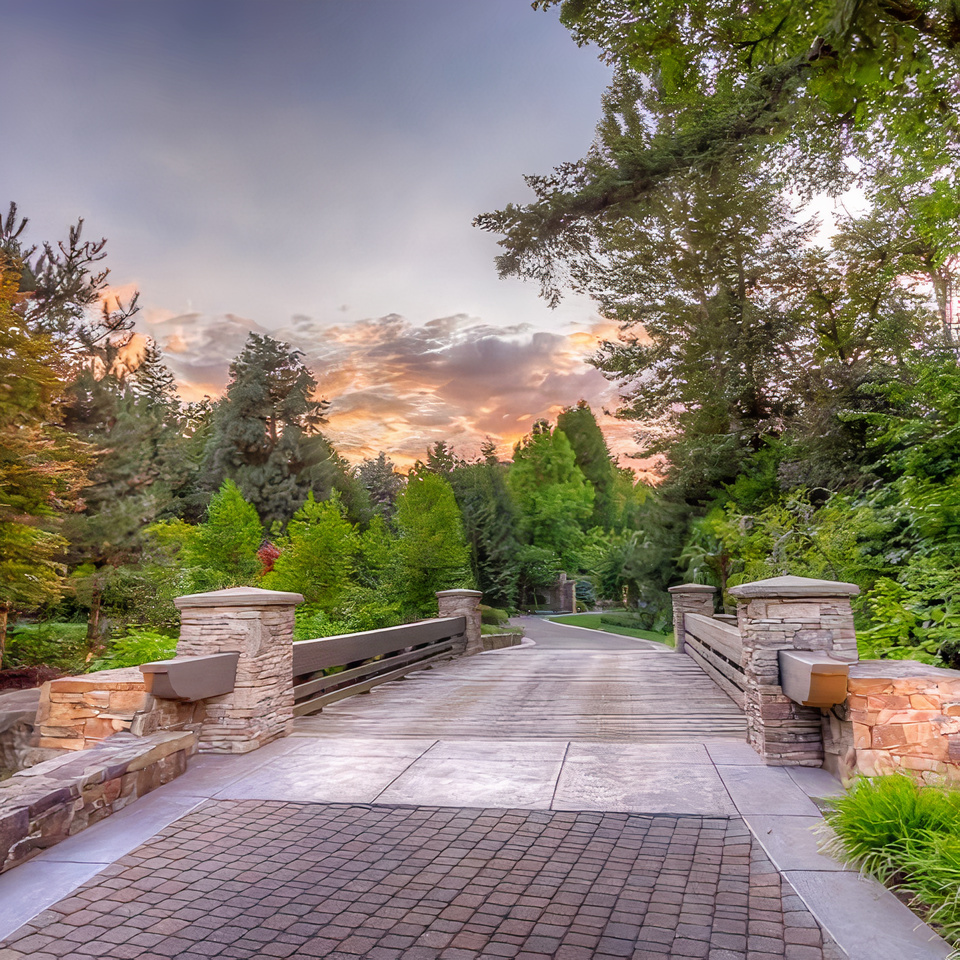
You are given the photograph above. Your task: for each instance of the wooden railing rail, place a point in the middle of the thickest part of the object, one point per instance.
(369, 658)
(718, 648)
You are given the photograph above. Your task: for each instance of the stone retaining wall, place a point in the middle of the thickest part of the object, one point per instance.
(499, 641)
(55, 799)
(79, 712)
(900, 717)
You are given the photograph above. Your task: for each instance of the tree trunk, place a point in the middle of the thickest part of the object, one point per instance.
(93, 620)
(4, 614)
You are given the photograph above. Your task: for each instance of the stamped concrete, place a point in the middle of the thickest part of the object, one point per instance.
(870, 922)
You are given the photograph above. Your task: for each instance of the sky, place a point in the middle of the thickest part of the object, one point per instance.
(311, 170)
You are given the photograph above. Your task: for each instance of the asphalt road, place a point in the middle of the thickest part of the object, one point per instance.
(558, 636)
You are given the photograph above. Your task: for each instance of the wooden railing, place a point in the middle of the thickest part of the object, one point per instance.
(369, 658)
(717, 647)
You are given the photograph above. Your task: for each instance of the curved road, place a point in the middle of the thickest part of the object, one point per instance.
(559, 636)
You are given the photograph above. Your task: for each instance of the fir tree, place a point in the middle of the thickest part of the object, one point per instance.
(260, 427)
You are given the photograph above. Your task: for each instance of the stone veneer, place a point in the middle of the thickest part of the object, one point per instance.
(77, 712)
(464, 603)
(900, 716)
(789, 613)
(689, 598)
(258, 624)
(55, 799)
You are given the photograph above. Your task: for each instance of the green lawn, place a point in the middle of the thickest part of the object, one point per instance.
(592, 622)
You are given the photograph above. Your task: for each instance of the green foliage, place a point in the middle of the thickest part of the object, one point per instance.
(907, 835)
(39, 464)
(491, 524)
(431, 545)
(261, 427)
(59, 645)
(382, 483)
(222, 551)
(135, 647)
(493, 616)
(317, 555)
(596, 464)
(554, 498)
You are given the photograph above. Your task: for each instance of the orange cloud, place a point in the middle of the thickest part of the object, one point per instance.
(400, 387)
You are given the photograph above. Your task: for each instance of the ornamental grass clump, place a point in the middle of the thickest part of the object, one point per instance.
(908, 836)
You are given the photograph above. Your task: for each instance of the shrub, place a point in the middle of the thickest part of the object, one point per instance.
(136, 647)
(62, 646)
(908, 836)
(493, 616)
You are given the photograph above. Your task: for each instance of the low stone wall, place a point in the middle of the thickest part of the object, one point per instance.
(499, 641)
(79, 712)
(55, 799)
(900, 716)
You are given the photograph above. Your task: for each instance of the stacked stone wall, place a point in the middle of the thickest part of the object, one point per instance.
(259, 625)
(784, 732)
(78, 712)
(58, 798)
(900, 717)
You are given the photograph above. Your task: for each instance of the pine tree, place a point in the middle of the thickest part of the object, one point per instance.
(383, 484)
(41, 466)
(260, 427)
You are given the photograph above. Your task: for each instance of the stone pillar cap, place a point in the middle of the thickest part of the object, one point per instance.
(793, 588)
(692, 588)
(239, 597)
(460, 593)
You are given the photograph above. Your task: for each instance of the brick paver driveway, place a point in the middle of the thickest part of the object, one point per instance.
(241, 879)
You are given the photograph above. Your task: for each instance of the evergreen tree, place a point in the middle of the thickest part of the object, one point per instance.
(431, 544)
(260, 427)
(549, 488)
(383, 484)
(152, 378)
(326, 474)
(63, 294)
(491, 523)
(595, 462)
(806, 85)
(222, 551)
(136, 444)
(41, 467)
(317, 555)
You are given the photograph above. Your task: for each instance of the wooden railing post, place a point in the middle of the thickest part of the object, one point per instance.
(789, 613)
(464, 603)
(257, 624)
(689, 598)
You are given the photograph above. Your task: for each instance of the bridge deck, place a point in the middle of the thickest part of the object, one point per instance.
(573, 684)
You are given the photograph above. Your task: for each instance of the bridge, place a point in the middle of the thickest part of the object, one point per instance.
(580, 795)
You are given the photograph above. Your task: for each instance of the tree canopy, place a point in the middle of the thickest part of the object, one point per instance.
(818, 90)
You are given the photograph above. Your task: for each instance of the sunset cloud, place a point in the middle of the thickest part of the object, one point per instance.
(399, 386)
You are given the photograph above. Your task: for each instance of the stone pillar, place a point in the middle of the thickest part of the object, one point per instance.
(690, 598)
(789, 613)
(258, 624)
(464, 603)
